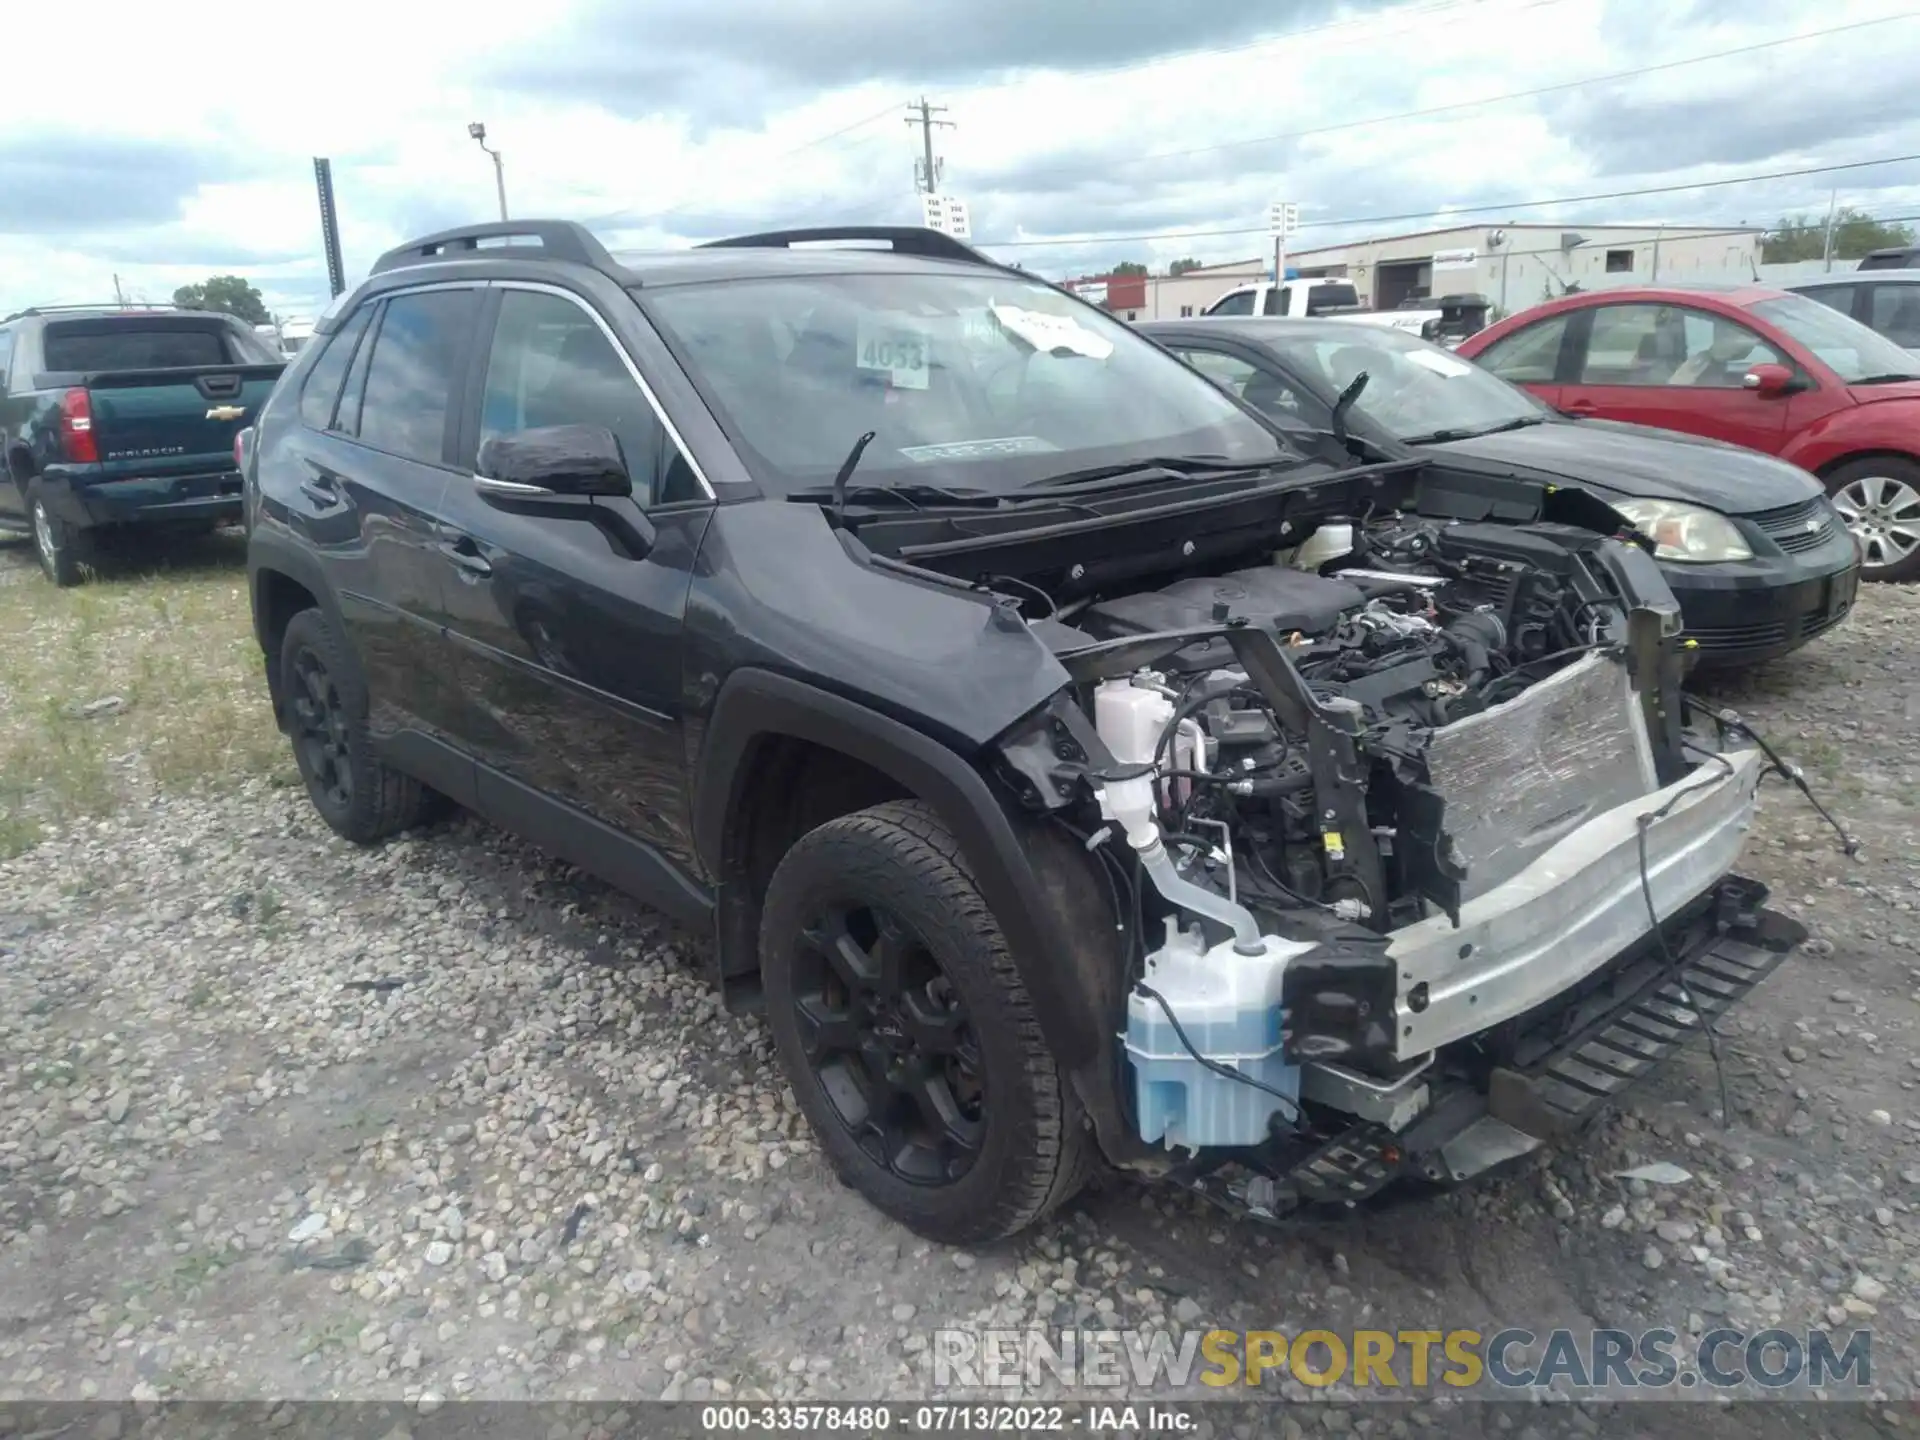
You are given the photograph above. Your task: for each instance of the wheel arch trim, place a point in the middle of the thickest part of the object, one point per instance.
(755, 706)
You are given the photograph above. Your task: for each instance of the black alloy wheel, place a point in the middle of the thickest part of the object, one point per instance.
(320, 731)
(890, 1043)
(900, 1019)
(323, 709)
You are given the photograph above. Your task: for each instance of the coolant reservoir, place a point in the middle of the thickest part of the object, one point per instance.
(1130, 719)
(1229, 1006)
(1329, 542)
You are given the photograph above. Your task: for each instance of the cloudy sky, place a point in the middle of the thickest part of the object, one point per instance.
(1078, 128)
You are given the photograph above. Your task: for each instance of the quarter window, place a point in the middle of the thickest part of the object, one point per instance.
(321, 394)
(1840, 297)
(1896, 315)
(417, 361)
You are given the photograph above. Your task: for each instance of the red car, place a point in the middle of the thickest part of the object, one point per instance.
(1745, 364)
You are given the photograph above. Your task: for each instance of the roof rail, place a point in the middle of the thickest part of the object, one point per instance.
(108, 307)
(564, 240)
(905, 240)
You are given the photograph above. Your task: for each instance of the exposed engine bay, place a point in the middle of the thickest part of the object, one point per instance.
(1428, 626)
(1326, 795)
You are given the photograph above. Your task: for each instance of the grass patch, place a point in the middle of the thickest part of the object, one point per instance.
(197, 1268)
(173, 640)
(336, 1334)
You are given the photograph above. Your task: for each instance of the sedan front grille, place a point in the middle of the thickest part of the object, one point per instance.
(1797, 529)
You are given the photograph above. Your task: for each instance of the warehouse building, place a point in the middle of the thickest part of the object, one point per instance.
(1514, 266)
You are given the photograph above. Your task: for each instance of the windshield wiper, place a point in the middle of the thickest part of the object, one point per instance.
(1440, 437)
(1172, 464)
(846, 472)
(1890, 378)
(911, 493)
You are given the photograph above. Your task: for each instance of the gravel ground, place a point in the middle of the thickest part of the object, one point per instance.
(283, 1118)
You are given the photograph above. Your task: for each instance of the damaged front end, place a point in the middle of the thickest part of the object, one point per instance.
(1413, 862)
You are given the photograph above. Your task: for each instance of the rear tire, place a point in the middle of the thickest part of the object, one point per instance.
(64, 551)
(1879, 498)
(902, 1025)
(360, 798)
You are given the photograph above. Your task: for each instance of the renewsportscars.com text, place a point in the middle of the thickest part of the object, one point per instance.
(1657, 1359)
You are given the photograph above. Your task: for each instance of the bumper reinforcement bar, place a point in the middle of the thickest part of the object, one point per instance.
(1571, 1060)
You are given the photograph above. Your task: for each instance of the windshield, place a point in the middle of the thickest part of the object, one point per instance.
(985, 382)
(1842, 344)
(1413, 388)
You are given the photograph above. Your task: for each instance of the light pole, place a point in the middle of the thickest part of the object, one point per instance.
(479, 132)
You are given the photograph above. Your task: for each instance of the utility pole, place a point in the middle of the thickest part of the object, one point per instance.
(1658, 231)
(927, 172)
(1826, 246)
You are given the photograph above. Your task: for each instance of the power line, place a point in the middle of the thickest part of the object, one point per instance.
(1498, 206)
(1454, 107)
(1284, 37)
(677, 206)
(1172, 57)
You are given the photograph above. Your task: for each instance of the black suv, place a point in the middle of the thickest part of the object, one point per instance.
(943, 649)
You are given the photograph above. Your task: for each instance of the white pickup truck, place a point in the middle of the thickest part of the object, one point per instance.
(1331, 299)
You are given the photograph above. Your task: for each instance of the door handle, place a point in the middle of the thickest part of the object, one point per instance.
(322, 491)
(465, 555)
(1580, 407)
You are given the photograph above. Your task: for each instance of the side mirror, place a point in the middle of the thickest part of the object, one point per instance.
(557, 472)
(574, 460)
(1771, 381)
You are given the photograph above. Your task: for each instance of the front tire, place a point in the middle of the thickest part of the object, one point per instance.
(361, 799)
(902, 1025)
(1879, 498)
(64, 551)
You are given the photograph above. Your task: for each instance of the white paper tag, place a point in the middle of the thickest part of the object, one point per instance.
(1049, 333)
(1439, 362)
(900, 355)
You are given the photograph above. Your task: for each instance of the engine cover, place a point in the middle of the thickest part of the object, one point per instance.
(1273, 595)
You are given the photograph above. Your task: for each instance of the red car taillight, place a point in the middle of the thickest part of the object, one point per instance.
(76, 428)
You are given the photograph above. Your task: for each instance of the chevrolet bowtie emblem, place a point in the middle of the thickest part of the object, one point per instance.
(226, 412)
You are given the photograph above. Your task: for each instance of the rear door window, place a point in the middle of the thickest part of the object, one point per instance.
(418, 360)
(321, 394)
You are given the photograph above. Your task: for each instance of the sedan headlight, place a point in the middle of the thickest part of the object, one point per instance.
(1685, 532)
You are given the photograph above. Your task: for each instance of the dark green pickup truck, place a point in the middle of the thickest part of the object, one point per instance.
(123, 418)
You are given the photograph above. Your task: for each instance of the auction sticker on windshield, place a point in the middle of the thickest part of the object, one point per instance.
(979, 449)
(900, 355)
(1439, 362)
(1051, 334)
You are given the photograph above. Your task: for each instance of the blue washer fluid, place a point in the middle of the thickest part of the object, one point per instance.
(1229, 1006)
